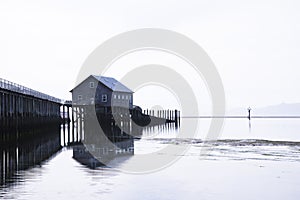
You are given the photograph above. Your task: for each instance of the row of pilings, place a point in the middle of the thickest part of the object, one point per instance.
(72, 124)
(169, 115)
(80, 118)
(19, 111)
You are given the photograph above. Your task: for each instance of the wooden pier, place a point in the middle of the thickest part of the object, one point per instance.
(22, 108)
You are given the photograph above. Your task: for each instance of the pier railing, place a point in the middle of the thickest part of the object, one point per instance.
(8, 85)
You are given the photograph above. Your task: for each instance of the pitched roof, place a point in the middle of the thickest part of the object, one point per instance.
(112, 84)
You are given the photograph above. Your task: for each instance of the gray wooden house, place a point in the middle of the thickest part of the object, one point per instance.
(103, 92)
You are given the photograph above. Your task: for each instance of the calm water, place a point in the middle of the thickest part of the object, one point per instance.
(261, 163)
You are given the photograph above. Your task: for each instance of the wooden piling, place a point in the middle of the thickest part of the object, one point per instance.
(23, 108)
(73, 124)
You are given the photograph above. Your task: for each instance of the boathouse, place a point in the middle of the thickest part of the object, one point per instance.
(103, 92)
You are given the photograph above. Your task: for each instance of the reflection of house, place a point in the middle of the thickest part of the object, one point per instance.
(102, 91)
(104, 154)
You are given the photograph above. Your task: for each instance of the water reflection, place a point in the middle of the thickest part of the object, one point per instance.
(237, 161)
(40, 146)
(103, 155)
(93, 150)
(113, 144)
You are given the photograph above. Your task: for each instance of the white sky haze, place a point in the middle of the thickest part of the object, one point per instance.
(255, 44)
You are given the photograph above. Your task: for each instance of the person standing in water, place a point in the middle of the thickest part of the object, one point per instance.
(249, 113)
(249, 117)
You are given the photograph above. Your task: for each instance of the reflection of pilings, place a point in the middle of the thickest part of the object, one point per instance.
(19, 156)
(102, 153)
(117, 140)
(157, 129)
(112, 140)
(118, 133)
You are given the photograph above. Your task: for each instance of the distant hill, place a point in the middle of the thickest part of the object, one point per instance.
(283, 109)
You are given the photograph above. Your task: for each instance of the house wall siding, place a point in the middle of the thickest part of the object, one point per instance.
(85, 91)
(94, 95)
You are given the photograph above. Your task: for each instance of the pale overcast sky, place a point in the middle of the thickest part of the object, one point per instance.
(255, 44)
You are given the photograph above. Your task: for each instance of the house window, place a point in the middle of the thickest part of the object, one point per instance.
(126, 96)
(122, 96)
(79, 97)
(115, 96)
(92, 84)
(119, 97)
(104, 98)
